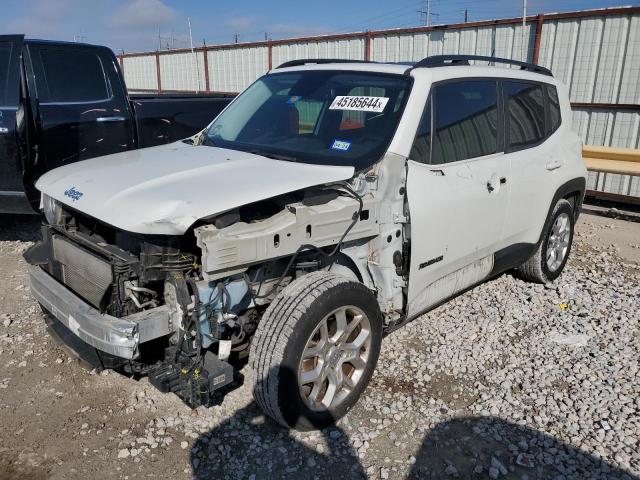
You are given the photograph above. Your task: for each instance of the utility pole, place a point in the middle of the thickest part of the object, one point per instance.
(466, 15)
(236, 38)
(427, 13)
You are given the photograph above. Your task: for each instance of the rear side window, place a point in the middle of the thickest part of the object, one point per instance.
(524, 104)
(69, 75)
(555, 118)
(465, 120)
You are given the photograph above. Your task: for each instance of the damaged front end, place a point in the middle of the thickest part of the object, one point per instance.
(182, 309)
(125, 301)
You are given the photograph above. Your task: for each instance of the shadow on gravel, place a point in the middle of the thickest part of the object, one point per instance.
(252, 446)
(488, 447)
(24, 228)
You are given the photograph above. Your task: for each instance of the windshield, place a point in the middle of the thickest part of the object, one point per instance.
(315, 116)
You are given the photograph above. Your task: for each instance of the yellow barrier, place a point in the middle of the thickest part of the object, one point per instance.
(623, 161)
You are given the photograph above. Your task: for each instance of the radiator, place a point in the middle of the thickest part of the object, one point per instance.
(87, 275)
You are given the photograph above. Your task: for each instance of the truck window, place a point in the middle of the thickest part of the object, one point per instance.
(5, 58)
(524, 102)
(465, 119)
(69, 75)
(554, 109)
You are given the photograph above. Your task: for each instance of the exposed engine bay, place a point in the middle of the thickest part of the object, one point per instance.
(213, 283)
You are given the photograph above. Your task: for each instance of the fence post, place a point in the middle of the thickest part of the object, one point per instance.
(205, 52)
(367, 45)
(270, 54)
(538, 37)
(158, 72)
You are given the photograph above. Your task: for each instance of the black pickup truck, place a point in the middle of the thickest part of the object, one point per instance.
(64, 102)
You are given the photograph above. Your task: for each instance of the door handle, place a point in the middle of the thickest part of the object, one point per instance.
(492, 183)
(553, 165)
(111, 119)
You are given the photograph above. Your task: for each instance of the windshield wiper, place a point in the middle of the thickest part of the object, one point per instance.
(274, 156)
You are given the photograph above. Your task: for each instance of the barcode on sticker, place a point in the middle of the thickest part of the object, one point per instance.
(361, 104)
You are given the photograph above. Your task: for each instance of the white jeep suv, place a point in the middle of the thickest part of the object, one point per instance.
(330, 203)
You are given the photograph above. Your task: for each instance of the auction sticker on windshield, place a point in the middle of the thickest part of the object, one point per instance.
(361, 104)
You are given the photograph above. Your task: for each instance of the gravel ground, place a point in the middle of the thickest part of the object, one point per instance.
(510, 380)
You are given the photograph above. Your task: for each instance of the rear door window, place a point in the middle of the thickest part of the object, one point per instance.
(69, 75)
(524, 102)
(465, 120)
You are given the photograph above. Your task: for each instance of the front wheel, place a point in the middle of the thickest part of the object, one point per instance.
(314, 350)
(552, 253)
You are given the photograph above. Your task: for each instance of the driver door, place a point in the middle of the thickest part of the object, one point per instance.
(457, 191)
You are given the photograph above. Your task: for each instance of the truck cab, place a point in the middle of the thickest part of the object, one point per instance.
(63, 102)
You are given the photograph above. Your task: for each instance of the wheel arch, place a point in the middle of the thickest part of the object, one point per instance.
(573, 191)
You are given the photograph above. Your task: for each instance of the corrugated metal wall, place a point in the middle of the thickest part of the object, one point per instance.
(501, 41)
(598, 57)
(140, 72)
(182, 71)
(234, 69)
(350, 48)
(596, 53)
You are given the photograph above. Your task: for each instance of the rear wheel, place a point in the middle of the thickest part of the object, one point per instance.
(552, 253)
(314, 350)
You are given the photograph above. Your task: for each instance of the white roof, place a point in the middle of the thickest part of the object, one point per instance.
(445, 71)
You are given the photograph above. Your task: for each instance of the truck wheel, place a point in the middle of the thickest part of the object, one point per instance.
(552, 253)
(314, 350)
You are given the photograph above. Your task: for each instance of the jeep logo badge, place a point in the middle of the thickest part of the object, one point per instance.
(73, 194)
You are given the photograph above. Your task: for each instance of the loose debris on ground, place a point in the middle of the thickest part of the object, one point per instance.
(510, 380)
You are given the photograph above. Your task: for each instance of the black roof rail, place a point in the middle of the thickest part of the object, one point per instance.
(318, 61)
(448, 60)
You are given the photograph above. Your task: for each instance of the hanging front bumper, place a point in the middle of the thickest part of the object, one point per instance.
(117, 336)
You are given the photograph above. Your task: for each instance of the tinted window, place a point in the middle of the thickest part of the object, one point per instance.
(421, 149)
(465, 120)
(525, 104)
(5, 57)
(554, 109)
(70, 75)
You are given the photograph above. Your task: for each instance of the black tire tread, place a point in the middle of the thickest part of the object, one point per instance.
(273, 332)
(531, 270)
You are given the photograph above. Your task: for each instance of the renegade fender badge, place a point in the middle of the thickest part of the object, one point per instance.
(73, 194)
(430, 262)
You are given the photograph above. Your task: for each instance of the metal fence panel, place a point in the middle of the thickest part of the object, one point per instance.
(630, 86)
(349, 48)
(179, 71)
(233, 70)
(140, 72)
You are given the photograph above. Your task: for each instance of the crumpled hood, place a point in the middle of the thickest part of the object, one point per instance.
(165, 189)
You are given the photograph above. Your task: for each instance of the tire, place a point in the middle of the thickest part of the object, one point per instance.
(537, 268)
(290, 324)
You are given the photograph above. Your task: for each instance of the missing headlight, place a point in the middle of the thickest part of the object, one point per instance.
(51, 209)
